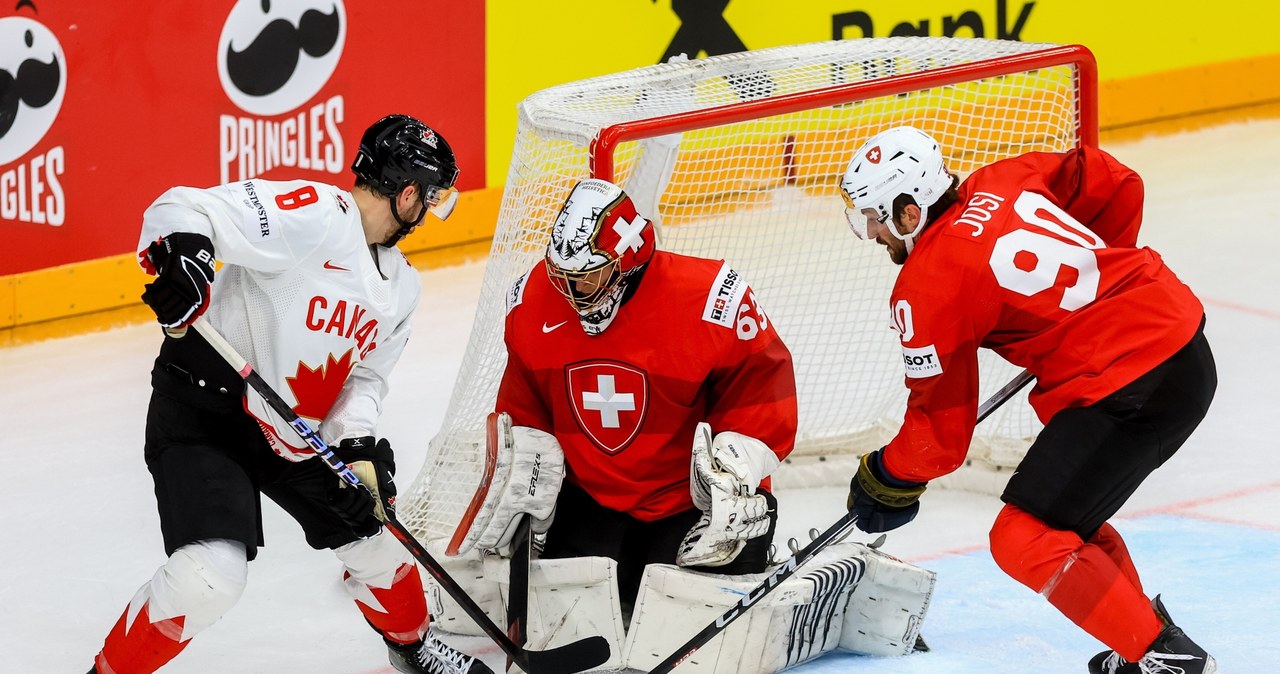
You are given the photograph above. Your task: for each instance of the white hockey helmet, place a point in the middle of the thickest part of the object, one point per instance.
(599, 247)
(901, 160)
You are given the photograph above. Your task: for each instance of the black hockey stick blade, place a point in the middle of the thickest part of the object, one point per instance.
(577, 656)
(572, 657)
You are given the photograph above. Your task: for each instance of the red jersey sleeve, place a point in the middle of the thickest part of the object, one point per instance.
(941, 307)
(518, 394)
(753, 386)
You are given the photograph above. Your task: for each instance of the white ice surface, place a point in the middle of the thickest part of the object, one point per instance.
(81, 532)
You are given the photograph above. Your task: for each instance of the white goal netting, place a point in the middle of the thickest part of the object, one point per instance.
(739, 157)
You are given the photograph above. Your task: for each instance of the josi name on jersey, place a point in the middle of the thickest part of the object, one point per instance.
(345, 320)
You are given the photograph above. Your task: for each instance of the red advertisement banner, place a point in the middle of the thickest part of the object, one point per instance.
(103, 106)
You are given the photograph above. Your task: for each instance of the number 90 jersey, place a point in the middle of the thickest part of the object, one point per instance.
(301, 296)
(691, 345)
(1038, 262)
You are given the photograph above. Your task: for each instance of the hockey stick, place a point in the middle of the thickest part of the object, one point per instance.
(836, 532)
(518, 583)
(572, 657)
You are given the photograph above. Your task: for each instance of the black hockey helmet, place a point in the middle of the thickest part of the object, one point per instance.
(398, 150)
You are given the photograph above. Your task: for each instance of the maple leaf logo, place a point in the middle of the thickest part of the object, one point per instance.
(316, 389)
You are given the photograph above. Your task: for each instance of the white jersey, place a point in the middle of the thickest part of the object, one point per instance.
(300, 296)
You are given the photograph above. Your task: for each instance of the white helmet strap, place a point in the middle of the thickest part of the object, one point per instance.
(909, 239)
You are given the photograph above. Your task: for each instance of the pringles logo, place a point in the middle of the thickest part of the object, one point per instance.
(33, 81)
(274, 56)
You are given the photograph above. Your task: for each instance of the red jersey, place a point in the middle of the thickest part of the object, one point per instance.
(692, 344)
(1038, 262)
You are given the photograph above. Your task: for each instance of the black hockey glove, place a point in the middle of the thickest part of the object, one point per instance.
(374, 463)
(183, 262)
(880, 501)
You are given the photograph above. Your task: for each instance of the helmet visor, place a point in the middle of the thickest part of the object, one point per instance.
(865, 223)
(440, 201)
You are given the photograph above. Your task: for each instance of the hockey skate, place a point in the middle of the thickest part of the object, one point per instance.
(1171, 653)
(432, 656)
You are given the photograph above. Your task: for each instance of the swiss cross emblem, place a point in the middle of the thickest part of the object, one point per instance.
(873, 155)
(609, 401)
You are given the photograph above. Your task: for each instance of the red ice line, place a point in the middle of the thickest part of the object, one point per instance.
(1183, 509)
(1242, 308)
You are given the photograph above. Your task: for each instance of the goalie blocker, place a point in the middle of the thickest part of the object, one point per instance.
(849, 596)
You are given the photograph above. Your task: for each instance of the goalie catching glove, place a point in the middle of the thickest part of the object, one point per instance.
(526, 479)
(723, 477)
(882, 502)
(374, 463)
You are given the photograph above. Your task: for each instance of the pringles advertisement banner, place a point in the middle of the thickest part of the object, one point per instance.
(103, 106)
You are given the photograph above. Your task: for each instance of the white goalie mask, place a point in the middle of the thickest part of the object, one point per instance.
(901, 160)
(599, 247)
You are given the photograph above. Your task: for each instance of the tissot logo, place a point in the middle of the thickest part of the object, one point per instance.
(33, 80)
(274, 56)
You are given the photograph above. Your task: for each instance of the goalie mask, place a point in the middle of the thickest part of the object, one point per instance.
(599, 248)
(397, 151)
(902, 160)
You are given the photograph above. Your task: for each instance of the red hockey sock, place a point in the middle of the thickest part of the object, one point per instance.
(139, 646)
(1111, 543)
(1080, 579)
(398, 612)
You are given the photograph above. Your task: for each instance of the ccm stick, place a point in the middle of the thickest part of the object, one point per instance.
(572, 657)
(836, 532)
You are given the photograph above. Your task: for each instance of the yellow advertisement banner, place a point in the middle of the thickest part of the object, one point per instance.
(532, 46)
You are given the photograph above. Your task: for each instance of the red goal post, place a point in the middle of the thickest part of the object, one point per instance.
(738, 157)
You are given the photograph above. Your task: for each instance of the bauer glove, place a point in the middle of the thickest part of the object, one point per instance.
(183, 264)
(882, 502)
(374, 463)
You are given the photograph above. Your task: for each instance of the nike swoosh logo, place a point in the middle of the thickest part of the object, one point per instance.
(548, 328)
(328, 264)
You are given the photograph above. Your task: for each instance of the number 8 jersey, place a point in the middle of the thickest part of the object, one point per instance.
(321, 315)
(1038, 262)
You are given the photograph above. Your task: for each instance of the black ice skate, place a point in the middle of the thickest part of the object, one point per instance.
(433, 656)
(1171, 653)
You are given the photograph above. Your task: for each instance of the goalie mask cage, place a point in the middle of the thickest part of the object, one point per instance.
(739, 157)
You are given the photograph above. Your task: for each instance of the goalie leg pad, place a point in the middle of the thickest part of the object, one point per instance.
(468, 571)
(569, 599)
(800, 620)
(886, 609)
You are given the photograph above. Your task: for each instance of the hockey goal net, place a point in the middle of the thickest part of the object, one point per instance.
(739, 157)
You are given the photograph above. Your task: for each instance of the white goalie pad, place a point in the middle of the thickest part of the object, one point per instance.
(468, 571)
(887, 608)
(848, 596)
(800, 620)
(569, 599)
